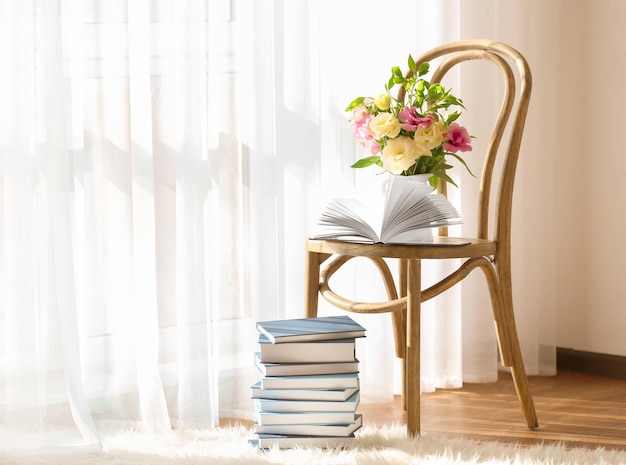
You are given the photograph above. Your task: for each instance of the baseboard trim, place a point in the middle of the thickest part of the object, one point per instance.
(590, 363)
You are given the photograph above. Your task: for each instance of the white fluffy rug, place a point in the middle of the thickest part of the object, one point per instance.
(372, 447)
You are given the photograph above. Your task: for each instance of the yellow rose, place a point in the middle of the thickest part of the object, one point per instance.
(383, 102)
(384, 125)
(400, 153)
(431, 136)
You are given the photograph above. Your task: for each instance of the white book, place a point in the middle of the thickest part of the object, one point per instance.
(334, 381)
(333, 395)
(297, 369)
(268, 441)
(337, 350)
(407, 211)
(303, 418)
(310, 329)
(312, 430)
(295, 406)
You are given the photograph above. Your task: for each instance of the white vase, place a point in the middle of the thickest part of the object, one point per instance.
(418, 181)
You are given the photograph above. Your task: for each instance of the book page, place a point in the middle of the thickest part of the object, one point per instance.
(348, 219)
(400, 197)
(409, 207)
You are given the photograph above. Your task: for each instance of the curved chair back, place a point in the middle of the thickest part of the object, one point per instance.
(511, 117)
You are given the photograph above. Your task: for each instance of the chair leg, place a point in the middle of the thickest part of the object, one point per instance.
(508, 340)
(400, 319)
(312, 262)
(413, 387)
(518, 371)
(520, 381)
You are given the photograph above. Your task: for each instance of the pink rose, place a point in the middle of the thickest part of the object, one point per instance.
(361, 131)
(408, 116)
(458, 139)
(375, 148)
(359, 114)
(361, 119)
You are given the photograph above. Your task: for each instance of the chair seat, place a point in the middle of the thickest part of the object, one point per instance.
(441, 248)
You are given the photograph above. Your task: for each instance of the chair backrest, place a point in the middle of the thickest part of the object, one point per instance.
(510, 121)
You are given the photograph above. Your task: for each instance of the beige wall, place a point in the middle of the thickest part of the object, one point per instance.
(592, 311)
(575, 148)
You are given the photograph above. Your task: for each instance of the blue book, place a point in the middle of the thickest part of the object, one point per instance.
(303, 418)
(339, 395)
(310, 329)
(344, 430)
(303, 369)
(296, 406)
(269, 441)
(337, 381)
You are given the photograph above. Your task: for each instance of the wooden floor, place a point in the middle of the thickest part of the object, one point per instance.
(573, 409)
(577, 410)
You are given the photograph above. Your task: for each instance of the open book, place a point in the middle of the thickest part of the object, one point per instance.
(409, 214)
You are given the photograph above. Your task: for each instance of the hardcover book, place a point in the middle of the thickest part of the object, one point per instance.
(336, 381)
(310, 329)
(295, 406)
(312, 430)
(336, 350)
(331, 395)
(303, 418)
(267, 441)
(296, 369)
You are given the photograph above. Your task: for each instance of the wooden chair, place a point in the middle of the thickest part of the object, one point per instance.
(489, 252)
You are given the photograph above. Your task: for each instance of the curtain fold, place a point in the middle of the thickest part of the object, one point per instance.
(161, 164)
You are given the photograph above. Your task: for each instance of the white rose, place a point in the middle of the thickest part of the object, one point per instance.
(400, 153)
(431, 136)
(384, 125)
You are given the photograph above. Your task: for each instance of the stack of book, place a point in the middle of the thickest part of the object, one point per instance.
(309, 388)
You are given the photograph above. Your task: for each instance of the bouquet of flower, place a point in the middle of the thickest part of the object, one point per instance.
(415, 135)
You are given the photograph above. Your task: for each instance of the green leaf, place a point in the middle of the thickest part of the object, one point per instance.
(447, 178)
(424, 164)
(454, 100)
(452, 117)
(420, 88)
(412, 66)
(423, 69)
(436, 92)
(367, 161)
(355, 103)
(458, 157)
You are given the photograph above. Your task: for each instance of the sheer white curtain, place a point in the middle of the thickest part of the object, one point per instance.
(162, 163)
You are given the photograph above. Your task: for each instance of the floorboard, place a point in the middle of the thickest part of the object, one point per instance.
(577, 410)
